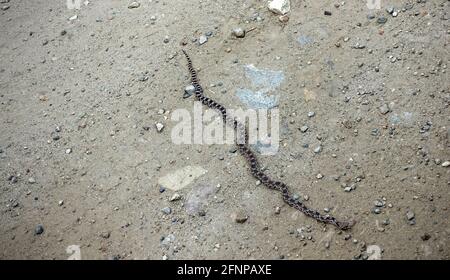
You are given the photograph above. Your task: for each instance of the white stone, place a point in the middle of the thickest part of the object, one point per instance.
(446, 164)
(159, 127)
(175, 197)
(280, 7)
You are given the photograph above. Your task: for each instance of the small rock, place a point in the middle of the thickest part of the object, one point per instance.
(327, 13)
(390, 9)
(39, 229)
(384, 109)
(381, 20)
(203, 39)
(318, 149)
(277, 210)
(446, 164)
(74, 17)
(6, 7)
(410, 215)
(159, 127)
(175, 197)
(280, 7)
(61, 202)
(240, 217)
(134, 5)
(31, 180)
(304, 128)
(166, 210)
(188, 91)
(105, 234)
(311, 114)
(239, 32)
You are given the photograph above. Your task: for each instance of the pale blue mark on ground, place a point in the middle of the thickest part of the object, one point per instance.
(405, 118)
(305, 40)
(263, 81)
(263, 78)
(257, 100)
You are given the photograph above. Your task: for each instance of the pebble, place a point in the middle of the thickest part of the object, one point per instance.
(162, 189)
(377, 210)
(175, 197)
(318, 149)
(304, 128)
(327, 13)
(239, 32)
(31, 180)
(384, 109)
(410, 215)
(68, 151)
(189, 91)
(240, 217)
(311, 114)
(105, 234)
(446, 164)
(6, 7)
(381, 20)
(39, 229)
(277, 210)
(159, 127)
(203, 39)
(134, 5)
(61, 202)
(280, 7)
(166, 210)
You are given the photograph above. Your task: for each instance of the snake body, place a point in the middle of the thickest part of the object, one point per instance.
(250, 157)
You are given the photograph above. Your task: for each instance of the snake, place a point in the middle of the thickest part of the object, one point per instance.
(255, 168)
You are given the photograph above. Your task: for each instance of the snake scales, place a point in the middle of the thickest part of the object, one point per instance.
(255, 168)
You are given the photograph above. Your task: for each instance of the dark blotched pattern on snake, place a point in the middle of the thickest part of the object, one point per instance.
(253, 162)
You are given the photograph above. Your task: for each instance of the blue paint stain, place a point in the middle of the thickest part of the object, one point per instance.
(263, 81)
(305, 40)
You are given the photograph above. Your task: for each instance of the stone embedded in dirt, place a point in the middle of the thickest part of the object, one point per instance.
(166, 210)
(304, 128)
(39, 229)
(446, 164)
(239, 32)
(6, 7)
(134, 5)
(381, 20)
(31, 180)
(280, 7)
(384, 109)
(240, 217)
(318, 149)
(105, 234)
(203, 39)
(188, 91)
(283, 18)
(311, 114)
(410, 215)
(175, 197)
(159, 127)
